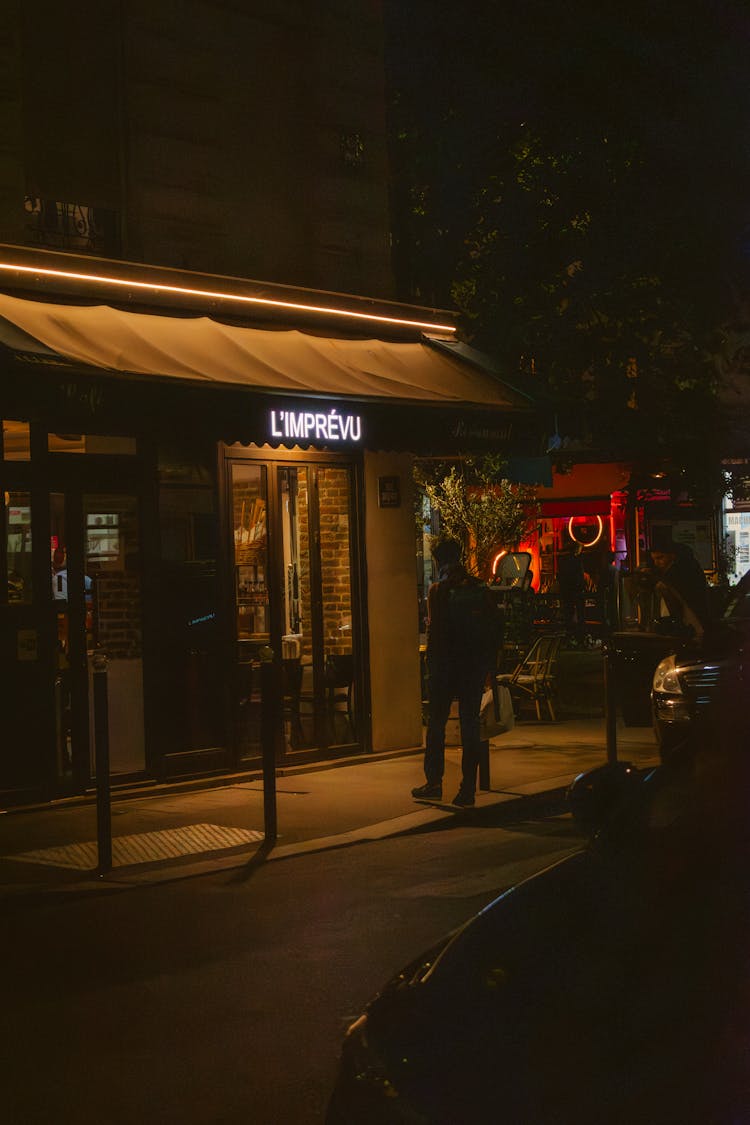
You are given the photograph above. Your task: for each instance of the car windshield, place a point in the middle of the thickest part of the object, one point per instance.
(738, 607)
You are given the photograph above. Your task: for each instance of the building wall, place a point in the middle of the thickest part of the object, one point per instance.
(223, 137)
(392, 607)
(335, 508)
(12, 172)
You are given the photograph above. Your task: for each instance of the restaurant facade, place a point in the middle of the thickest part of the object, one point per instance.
(197, 470)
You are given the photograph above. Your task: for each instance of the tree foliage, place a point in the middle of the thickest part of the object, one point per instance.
(581, 176)
(479, 507)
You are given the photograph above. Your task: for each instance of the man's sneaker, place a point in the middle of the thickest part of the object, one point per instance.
(463, 800)
(428, 792)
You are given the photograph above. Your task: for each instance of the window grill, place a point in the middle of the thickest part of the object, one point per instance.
(71, 226)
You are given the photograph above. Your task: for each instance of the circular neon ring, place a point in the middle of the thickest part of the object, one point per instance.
(579, 541)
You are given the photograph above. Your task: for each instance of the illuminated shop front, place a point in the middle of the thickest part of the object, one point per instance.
(583, 508)
(605, 514)
(183, 493)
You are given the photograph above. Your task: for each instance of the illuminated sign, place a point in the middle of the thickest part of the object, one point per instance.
(584, 530)
(202, 620)
(329, 427)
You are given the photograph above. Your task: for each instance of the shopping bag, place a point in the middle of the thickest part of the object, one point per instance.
(496, 714)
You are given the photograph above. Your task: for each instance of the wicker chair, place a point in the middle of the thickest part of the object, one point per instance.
(534, 680)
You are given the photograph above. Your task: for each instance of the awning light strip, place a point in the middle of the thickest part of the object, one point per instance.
(157, 287)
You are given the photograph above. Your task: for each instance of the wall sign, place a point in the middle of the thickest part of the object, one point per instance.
(27, 644)
(389, 492)
(330, 426)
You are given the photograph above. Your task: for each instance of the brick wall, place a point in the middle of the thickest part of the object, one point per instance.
(118, 614)
(334, 498)
(136, 108)
(333, 489)
(303, 542)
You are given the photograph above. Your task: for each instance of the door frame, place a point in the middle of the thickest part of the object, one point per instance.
(73, 476)
(312, 459)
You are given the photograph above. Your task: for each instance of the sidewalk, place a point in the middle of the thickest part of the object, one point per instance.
(178, 831)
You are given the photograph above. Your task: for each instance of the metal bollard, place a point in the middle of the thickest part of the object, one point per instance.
(101, 758)
(610, 707)
(270, 728)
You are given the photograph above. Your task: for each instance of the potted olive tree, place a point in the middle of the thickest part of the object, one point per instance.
(477, 505)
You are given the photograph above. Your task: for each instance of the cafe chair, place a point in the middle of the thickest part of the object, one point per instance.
(291, 695)
(339, 679)
(534, 679)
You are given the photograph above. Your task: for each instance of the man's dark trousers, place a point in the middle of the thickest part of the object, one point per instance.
(463, 681)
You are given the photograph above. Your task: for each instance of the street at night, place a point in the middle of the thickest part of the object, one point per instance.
(225, 998)
(374, 536)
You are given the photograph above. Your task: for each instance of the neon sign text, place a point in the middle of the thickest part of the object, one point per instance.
(319, 427)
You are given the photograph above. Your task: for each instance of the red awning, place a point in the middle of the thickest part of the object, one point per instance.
(596, 506)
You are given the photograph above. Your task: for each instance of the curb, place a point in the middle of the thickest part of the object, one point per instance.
(534, 796)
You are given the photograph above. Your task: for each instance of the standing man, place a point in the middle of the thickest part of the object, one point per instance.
(606, 589)
(572, 585)
(462, 639)
(681, 584)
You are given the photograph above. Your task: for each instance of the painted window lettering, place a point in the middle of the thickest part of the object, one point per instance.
(321, 427)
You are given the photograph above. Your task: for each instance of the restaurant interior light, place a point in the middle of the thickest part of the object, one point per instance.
(599, 530)
(242, 298)
(496, 560)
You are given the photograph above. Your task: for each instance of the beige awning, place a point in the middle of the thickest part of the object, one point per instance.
(287, 361)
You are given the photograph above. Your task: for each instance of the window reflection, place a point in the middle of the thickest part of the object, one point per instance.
(250, 553)
(189, 672)
(91, 443)
(300, 727)
(335, 563)
(59, 579)
(252, 624)
(16, 441)
(18, 546)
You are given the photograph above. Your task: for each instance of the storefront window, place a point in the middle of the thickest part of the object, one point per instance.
(16, 441)
(298, 601)
(333, 490)
(189, 666)
(181, 462)
(300, 727)
(335, 566)
(92, 444)
(17, 525)
(187, 518)
(252, 624)
(251, 553)
(63, 685)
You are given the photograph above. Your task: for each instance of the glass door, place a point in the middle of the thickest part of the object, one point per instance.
(293, 591)
(96, 599)
(249, 493)
(336, 626)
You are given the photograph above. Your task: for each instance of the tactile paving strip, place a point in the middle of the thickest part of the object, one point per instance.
(146, 847)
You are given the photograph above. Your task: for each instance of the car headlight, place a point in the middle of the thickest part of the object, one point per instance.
(666, 678)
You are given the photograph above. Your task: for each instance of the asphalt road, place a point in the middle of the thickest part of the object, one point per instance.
(223, 999)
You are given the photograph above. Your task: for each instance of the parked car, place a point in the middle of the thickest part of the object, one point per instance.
(702, 687)
(592, 991)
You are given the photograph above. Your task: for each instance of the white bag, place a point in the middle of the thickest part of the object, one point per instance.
(496, 714)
